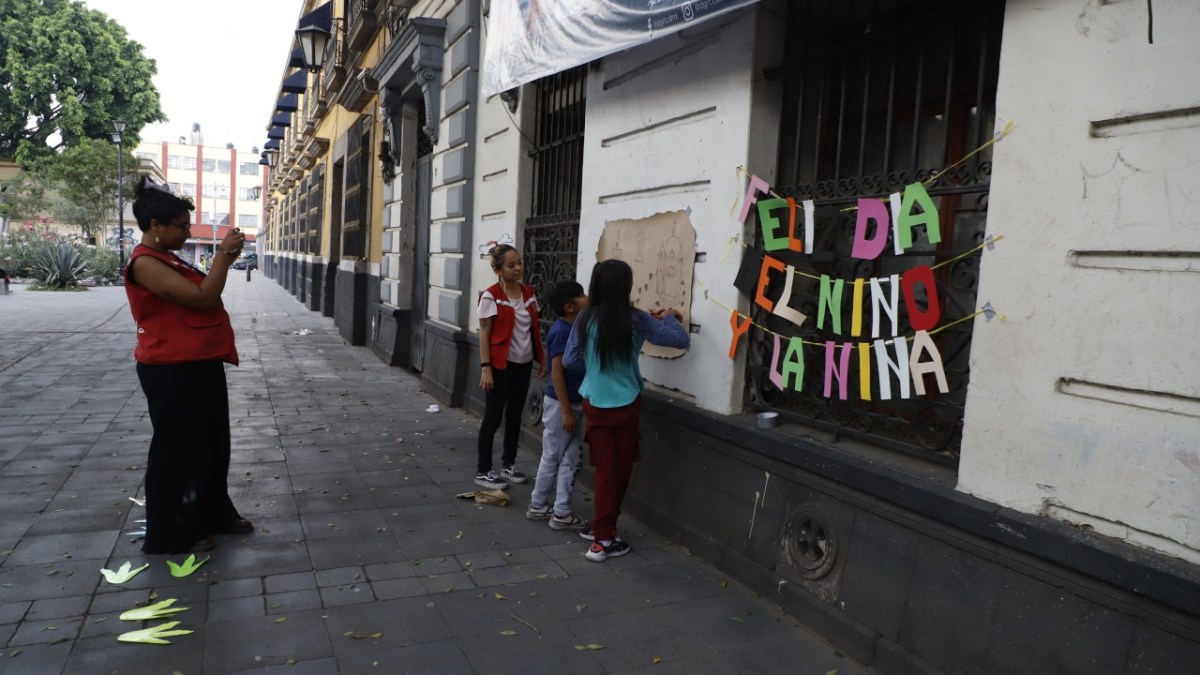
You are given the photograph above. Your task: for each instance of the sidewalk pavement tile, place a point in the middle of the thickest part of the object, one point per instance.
(363, 560)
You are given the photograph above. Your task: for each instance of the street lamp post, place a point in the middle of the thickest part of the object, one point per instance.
(119, 139)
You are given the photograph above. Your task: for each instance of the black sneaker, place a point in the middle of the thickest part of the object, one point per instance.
(491, 481)
(511, 475)
(598, 553)
(586, 533)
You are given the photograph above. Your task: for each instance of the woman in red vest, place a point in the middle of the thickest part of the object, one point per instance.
(509, 345)
(184, 340)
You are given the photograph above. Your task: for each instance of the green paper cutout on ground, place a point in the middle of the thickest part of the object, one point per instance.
(158, 610)
(153, 635)
(123, 574)
(190, 565)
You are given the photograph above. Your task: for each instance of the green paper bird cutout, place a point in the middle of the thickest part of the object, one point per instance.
(153, 635)
(159, 610)
(123, 574)
(190, 565)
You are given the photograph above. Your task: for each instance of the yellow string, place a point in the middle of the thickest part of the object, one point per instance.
(967, 253)
(763, 328)
(995, 139)
(738, 189)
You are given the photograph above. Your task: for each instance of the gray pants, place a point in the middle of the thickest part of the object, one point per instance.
(561, 457)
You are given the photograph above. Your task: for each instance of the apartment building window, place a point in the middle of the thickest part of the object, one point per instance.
(210, 165)
(205, 217)
(247, 220)
(248, 168)
(177, 188)
(147, 155)
(874, 101)
(222, 166)
(355, 212)
(189, 162)
(189, 189)
(316, 205)
(222, 218)
(174, 161)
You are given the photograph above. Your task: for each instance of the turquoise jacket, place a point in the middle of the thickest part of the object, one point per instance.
(621, 384)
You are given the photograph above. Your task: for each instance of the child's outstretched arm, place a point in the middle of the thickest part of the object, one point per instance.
(663, 329)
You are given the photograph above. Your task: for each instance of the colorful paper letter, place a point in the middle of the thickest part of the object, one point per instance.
(755, 186)
(764, 278)
(915, 194)
(864, 371)
(908, 282)
(919, 369)
(794, 242)
(889, 305)
(768, 223)
(773, 374)
(838, 370)
(782, 309)
(894, 202)
(869, 248)
(886, 367)
(739, 329)
(793, 363)
(810, 224)
(856, 313)
(831, 300)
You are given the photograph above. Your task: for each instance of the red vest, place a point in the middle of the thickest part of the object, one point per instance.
(169, 333)
(506, 319)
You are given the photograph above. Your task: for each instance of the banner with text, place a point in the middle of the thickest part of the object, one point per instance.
(529, 39)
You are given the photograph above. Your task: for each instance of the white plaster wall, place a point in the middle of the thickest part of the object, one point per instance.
(670, 138)
(1084, 404)
(501, 184)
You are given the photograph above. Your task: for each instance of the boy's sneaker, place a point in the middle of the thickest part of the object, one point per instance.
(586, 533)
(511, 475)
(491, 480)
(568, 522)
(539, 512)
(598, 553)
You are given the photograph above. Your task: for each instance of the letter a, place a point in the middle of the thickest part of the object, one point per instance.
(915, 194)
(919, 369)
(793, 364)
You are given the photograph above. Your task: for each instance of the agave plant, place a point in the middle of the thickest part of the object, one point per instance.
(59, 266)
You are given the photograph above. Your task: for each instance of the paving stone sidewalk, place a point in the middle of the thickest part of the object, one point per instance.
(363, 562)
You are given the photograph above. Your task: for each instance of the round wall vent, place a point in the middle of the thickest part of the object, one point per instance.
(810, 542)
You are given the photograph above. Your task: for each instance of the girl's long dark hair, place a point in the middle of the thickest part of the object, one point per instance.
(609, 306)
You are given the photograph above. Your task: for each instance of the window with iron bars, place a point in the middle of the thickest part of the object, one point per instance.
(355, 212)
(552, 229)
(878, 95)
(316, 197)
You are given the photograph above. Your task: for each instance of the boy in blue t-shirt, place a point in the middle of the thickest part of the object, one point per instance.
(562, 432)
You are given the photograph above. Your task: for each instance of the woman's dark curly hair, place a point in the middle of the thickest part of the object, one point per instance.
(154, 201)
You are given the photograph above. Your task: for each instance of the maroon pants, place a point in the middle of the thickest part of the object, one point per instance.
(612, 436)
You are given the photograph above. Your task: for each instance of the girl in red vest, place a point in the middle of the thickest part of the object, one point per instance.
(184, 340)
(509, 343)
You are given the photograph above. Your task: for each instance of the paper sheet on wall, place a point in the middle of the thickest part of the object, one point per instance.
(661, 250)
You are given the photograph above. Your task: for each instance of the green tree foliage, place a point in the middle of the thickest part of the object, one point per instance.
(68, 69)
(83, 181)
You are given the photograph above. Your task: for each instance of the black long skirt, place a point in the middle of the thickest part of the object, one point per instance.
(187, 494)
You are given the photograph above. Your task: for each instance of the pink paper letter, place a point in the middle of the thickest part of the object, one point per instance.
(756, 186)
(838, 371)
(870, 210)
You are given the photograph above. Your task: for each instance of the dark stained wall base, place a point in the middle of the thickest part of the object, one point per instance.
(350, 312)
(314, 274)
(392, 338)
(909, 576)
(447, 354)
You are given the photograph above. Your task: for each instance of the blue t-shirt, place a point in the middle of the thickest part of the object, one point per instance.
(556, 345)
